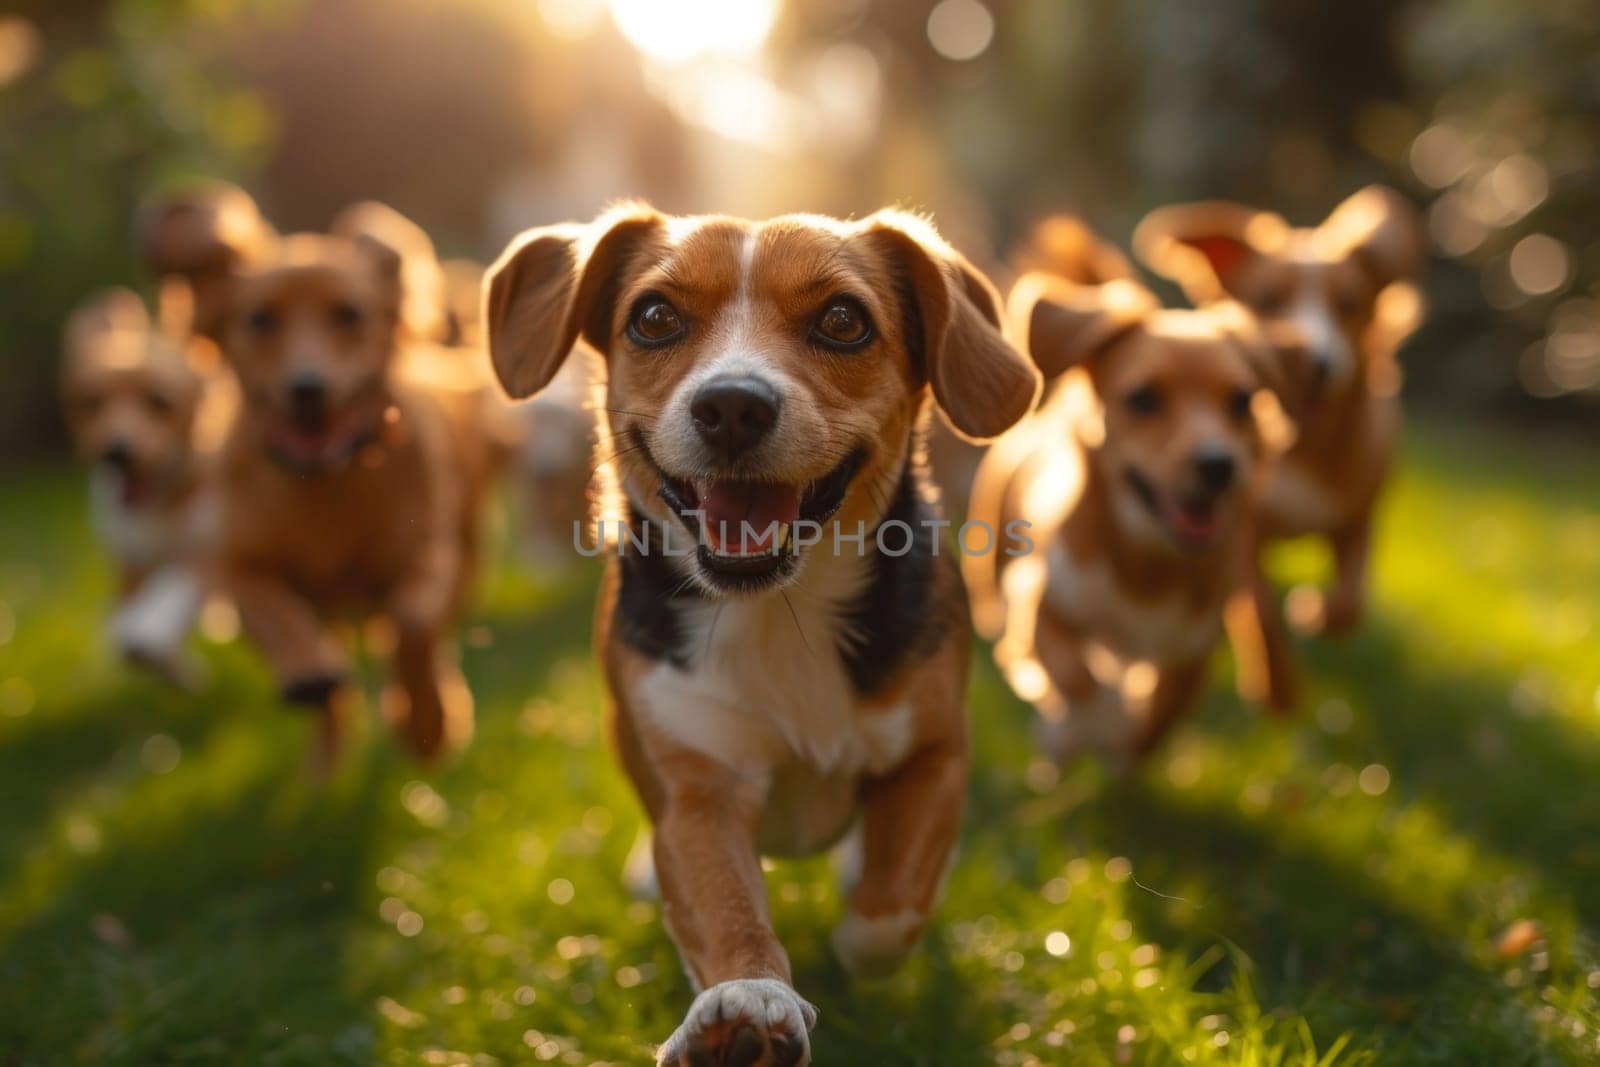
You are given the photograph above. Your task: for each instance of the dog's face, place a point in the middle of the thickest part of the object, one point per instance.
(309, 322)
(310, 333)
(763, 378)
(130, 395)
(1314, 290)
(1177, 438)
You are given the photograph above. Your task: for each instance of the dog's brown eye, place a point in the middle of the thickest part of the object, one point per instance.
(87, 405)
(1239, 403)
(843, 324)
(655, 322)
(158, 403)
(262, 321)
(1145, 400)
(347, 315)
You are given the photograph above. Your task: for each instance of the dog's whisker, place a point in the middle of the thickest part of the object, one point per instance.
(797, 627)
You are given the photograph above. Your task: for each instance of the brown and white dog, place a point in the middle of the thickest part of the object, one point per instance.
(1345, 290)
(1137, 475)
(351, 481)
(772, 684)
(147, 404)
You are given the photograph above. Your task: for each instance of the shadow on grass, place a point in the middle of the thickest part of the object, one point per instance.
(209, 913)
(1502, 768)
(228, 901)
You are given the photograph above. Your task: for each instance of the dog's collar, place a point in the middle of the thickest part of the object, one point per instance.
(338, 461)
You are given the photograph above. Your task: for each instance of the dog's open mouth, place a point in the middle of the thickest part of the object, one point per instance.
(1193, 519)
(135, 486)
(313, 445)
(750, 531)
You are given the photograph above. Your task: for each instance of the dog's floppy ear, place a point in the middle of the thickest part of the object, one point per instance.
(203, 234)
(1381, 230)
(1201, 245)
(980, 382)
(1064, 323)
(421, 278)
(1065, 246)
(553, 285)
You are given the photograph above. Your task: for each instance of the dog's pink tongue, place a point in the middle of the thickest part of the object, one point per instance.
(1195, 521)
(731, 507)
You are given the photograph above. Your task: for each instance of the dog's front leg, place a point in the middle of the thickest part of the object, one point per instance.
(1263, 654)
(428, 703)
(1078, 713)
(309, 665)
(1351, 548)
(910, 822)
(1177, 689)
(714, 903)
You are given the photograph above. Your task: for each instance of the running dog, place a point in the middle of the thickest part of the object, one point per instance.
(146, 404)
(352, 479)
(1138, 477)
(781, 629)
(1346, 290)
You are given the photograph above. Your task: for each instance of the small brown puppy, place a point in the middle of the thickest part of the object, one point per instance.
(783, 634)
(351, 480)
(146, 404)
(1137, 477)
(1344, 289)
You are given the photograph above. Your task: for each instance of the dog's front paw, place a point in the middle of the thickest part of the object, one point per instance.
(748, 1022)
(1100, 725)
(876, 947)
(315, 691)
(1315, 613)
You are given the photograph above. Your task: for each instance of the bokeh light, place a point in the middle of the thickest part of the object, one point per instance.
(960, 29)
(1539, 264)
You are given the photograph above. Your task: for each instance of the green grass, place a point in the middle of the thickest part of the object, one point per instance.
(174, 890)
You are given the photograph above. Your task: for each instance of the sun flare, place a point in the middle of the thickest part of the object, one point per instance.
(686, 29)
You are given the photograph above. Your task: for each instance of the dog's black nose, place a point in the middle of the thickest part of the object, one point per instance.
(732, 415)
(117, 454)
(308, 395)
(1215, 469)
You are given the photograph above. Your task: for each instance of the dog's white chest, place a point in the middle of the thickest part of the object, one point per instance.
(1160, 631)
(136, 537)
(767, 695)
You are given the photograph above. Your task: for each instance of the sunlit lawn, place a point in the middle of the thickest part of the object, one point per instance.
(173, 890)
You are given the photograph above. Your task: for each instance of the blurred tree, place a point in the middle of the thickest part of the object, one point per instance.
(1510, 93)
(100, 102)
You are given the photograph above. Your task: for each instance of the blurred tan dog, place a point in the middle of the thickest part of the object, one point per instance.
(147, 404)
(771, 683)
(352, 479)
(1345, 290)
(1138, 476)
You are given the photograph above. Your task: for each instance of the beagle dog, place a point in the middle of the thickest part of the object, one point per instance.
(146, 404)
(1346, 290)
(782, 631)
(1138, 476)
(351, 481)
